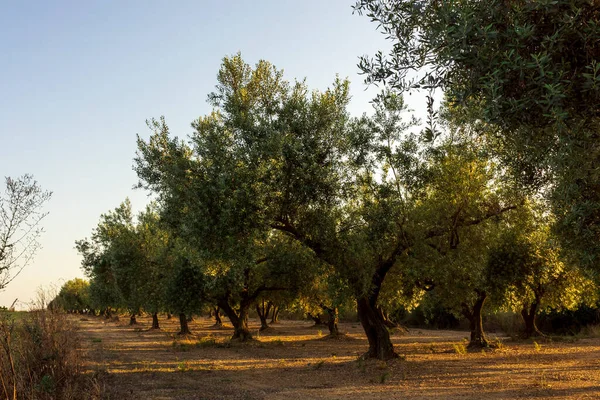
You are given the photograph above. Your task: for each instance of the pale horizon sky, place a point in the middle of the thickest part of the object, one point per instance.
(79, 79)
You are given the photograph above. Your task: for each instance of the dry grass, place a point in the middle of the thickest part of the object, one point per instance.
(39, 358)
(292, 361)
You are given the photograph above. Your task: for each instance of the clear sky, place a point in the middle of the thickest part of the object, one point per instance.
(78, 79)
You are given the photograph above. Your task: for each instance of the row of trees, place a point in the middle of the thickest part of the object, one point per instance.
(279, 194)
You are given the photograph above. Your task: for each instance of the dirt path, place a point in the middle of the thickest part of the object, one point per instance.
(295, 361)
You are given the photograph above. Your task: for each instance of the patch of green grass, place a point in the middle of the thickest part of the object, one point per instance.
(383, 377)
(183, 366)
(206, 342)
(361, 364)
(14, 315)
(460, 348)
(382, 365)
(496, 344)
(96, 340)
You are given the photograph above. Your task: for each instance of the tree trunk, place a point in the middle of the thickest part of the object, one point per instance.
(275, 315)
(241, 331)
(155, 324)
(132, 320)
(332, 323)
(239, 320)
(380, 345)
(474, 315)
(263, 312)
(183, 324)
(529, 315)
(218, 321)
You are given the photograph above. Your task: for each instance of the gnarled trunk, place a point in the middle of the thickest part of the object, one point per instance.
(218, 321)
(529, 314)
(263, 312)
(155, 324)
(380, 345)
(132, 320)
(474, 316)
(238, 319)
(184, 329)
(275, 315)
(332, 323)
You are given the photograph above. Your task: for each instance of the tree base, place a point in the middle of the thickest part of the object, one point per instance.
(243, 340)
(478, 344)
(386, 357)
(244, 336)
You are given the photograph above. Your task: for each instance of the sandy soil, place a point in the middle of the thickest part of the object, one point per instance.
(294, 360)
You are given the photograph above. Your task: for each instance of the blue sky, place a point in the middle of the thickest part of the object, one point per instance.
(78, 79)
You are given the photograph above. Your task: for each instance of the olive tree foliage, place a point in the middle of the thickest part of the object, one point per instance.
(21, 212)
(185, 286)
(528, 274)
(214, 190)
(468, 194)
(325, 294)
(276, 166)
(127, 261)
(74, 296)
(531, 70)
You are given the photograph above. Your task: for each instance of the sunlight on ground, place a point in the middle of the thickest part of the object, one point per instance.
(294, 360)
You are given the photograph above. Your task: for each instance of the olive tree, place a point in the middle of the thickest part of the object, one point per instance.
(531, 68)
(74, 296)
(127, 261)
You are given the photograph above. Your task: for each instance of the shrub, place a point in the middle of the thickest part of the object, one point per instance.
(39, 358)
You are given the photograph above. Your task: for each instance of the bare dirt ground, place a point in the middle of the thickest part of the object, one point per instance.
(294, 360)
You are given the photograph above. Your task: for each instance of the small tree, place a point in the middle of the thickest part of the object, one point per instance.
(74, 296)
(21, 213)
(127, 261)
(186, 287)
